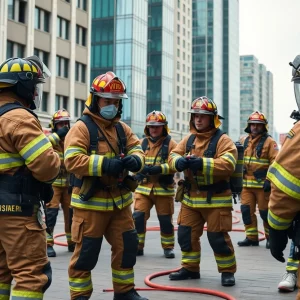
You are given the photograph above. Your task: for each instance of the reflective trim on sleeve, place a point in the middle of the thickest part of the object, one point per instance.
(54, 139)
(278, 223)
(10, 160)
(74, 151)
(208, 169)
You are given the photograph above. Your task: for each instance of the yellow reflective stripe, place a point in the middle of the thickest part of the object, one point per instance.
(252, 183)
(188, 257)
(174, 157)
(136, 148)
(225, 201)
(278, 222)
(284, 180)
(230, 158)
(158, 191)
(4, 291)
(143, 190)
(149, 160)
(10, 160)
(95, 165)
(167, 240)
(208, 169)
(35, 148)
(54, 139)
(252, 231)
(141, 237)
(292, 264)
(80, 284)
(20, 295)
(254, 160)
(62, 182)
(74, 151)
(226, 261)
(165, 168)
(123, 277)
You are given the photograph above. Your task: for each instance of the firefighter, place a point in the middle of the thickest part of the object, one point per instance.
(28, 167)
(260, 150)
(284, 174)
(60, 125)
(208, 158)
(100, 150)
(156, 183)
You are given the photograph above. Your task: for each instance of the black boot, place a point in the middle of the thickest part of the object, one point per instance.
(130, 295)
(71, 247)
(227, 279)
(169, 253)
(267, 244)
(246, 242)
(50, 251)
(140, 252)
(183, 274)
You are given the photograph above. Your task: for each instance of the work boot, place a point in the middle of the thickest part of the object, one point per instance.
(246, 242)
(169, 253)
(227, 279)
(130, 295)
(140, 252)
(183, 274)
(288, 282)
(50, 251)
(267, 244)
(71, 247)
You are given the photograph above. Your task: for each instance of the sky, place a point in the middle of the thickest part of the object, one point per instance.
(270, 30)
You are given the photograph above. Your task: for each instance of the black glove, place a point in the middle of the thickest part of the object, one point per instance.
(112, 167)
(195, 164)
(278, 241)
(145, 170)
(155, 170)
(139, 177)
(132, 163)
(267, 186)
(181, 164)
(62, 132)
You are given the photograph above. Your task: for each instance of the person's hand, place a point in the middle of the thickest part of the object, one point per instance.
(267, 186)
(145, 170)
(155, 170)
(181, 164)
(195, 164)
(132, 163)
(278, 240)
(62, 132)
(112, 166)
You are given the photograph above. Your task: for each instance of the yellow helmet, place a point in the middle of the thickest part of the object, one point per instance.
(156, 118)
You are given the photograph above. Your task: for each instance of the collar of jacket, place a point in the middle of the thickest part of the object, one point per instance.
(101, 122)
(157, 143)
(203, 135)
(255, 140)
(10, 97)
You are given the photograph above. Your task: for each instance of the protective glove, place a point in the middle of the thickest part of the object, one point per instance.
(139, 177)
(278, 240)
(267, 186)
(112, 167)
(146, 170)
(62, 132)
(132, 163)
(195, 164)
(181, 164)
(155, 170)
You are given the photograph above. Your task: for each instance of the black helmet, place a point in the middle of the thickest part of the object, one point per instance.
(25, 77)
(296, 78)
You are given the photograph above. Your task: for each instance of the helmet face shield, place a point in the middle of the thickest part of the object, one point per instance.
(38, 95)
(297, 92)
(44, 69)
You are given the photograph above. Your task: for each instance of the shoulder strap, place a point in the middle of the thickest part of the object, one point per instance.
(189, 143)
(145, 144)
(246, 142)
(93, 131)
(260, 144)
(212, 146)
(10, 106)
(121, 137)
(165, 148)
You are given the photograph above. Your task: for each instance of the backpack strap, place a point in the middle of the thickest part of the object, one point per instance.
(10, 106)
(260, 145)
(246, 142)
(93, 131)
(212, 146)
(189, 143)
(165, 148)
(145, 144)
(121, 137)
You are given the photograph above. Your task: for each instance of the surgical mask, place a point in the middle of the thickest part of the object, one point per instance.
(108, 112)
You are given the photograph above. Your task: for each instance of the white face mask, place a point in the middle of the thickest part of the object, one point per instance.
(108, 112)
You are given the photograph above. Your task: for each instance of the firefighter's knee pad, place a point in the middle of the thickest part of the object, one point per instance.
(89, 253)
(218, 243)
(130, 244)
(185, 238)
(139, 220)
(51, 214)
(245, 209)
(264, 215)
(47, 270)
(166, 225)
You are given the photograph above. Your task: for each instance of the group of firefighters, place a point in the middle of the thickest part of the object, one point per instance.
(92, 169)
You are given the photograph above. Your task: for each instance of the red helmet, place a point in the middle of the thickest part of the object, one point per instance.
(156, 118)
(256, 118)
(60, 116)
(204, 105)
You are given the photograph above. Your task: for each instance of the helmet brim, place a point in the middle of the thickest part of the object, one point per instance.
(112, 95)
(156, 124)
(201, 112)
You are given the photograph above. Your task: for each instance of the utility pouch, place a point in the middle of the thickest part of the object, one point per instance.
(183, 188)
(88, 188)
(130, 183)
(165, 180)
(30, 190)
(260, 175)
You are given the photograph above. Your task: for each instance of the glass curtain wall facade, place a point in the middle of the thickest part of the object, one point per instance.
(160, 57)
(119, 44)
(216, 58)
(270, 108)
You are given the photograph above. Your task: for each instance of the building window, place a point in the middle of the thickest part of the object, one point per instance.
(62, 67)
(178, 16)
(177, 126)
(44, 56)
(11, 9)
(177, 114)
(178, 28)
(62, 28)
(14, 49)
(44, 103)
(79, 107)
(82, 4)
(61, 102)
(178, 90)
(178, 3)
(178, 65)
(80, 71)
(178, 53)
(178, 102)
(17, 10)
(178, 40)
(178, 77)
(42, 19)
(80, 35)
